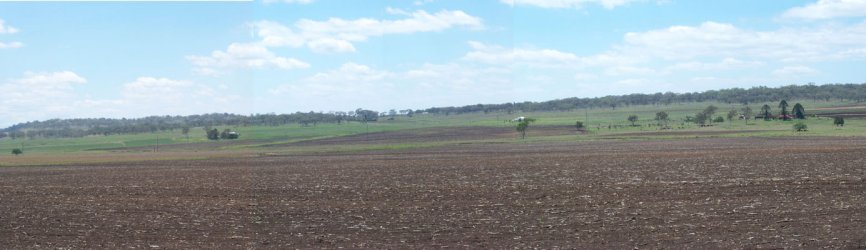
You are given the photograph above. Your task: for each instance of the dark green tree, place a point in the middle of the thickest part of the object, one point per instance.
(632, 119)
(839, 121)
(765, 111)
(579, 126)
(662, 117)
(799, 111)
(17, 151)
(783, 105)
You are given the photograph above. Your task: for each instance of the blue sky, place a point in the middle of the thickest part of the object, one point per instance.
(133, 59)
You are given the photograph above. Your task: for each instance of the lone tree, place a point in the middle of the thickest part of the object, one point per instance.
(632, 119)
(17, 151)
(839, 121)
(765, 110)
(747, 114)
(662, 117)
(799, 111)
(783, 105)
(579, 126)
(523, 125)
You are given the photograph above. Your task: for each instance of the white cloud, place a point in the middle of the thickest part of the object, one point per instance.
(6, 29)
(49, 95)
(11, 45)
(713, 39)
(795, 71)
(575, 4)
(330, 45)
(39, 96)
(354, 85)
(288, 1)
(725, 64)
(338, 35)
(242, 56)
(495, 54)
(828, 9)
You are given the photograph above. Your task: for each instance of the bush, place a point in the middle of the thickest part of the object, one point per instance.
(839, 121)
(17, 151)
(579, 125)
(800, 127)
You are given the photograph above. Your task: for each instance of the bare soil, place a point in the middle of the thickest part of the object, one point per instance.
(800, 192)
(435, 134)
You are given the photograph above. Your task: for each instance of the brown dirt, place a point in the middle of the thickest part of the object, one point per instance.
(686, 133)
(800, 192)
(434, 135)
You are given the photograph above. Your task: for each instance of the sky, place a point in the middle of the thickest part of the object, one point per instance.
(135, 59)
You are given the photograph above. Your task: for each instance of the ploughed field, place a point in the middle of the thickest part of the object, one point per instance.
(697, 193)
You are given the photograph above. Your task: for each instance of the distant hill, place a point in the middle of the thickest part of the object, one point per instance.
(107, 126)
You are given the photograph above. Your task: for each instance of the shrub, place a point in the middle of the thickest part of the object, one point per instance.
(839, 121)
(800, 127)
(17, 151)
(719, 119)
(579, 125)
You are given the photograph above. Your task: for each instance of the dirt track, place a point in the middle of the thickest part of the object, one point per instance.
(702, 193)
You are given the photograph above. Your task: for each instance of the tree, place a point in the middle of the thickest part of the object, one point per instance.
(800, 126)
(523, 125)
(710, 110)
(799, 111)
(185, 131)
(701, 118)
(17, 151)
(212, 134)
(765, 110)
(579, 126)
(632, 119)
(783, 105)
(747, 113)
(731, 115)
(839, 121)
(662, 117)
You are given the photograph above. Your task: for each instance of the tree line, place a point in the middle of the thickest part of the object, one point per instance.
(841, 92)
(64, 128)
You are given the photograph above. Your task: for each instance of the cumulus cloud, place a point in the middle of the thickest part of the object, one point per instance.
(795, 71)
(339, 35)
(828, 9)
(496, 54)
(38, 96)
(289, 1)
(49, 95)
(423, 86)
(712, 39)
(242, 56)
(11, 45)
(575, 4)
(6, 29)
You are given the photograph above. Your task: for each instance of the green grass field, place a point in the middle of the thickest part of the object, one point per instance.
(596, 121)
